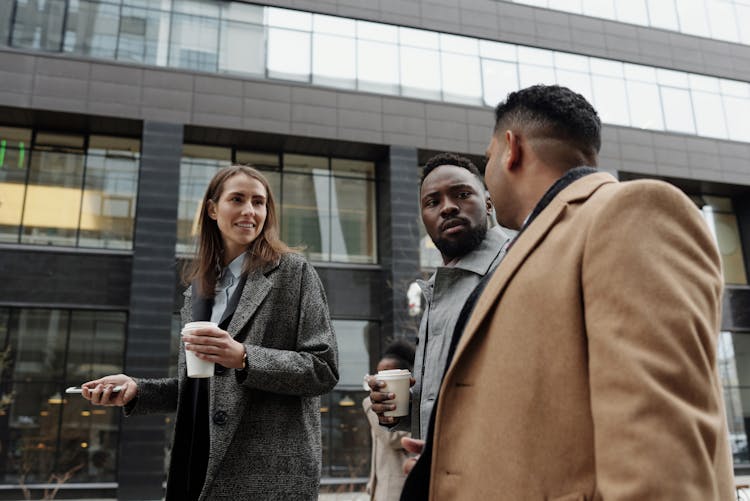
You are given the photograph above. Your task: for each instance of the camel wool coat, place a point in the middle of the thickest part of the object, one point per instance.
(265, 441)
(587, 370)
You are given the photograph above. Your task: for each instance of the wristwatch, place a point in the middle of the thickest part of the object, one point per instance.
(244, 361)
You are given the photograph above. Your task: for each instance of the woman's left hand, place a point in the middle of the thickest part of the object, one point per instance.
(215, 345)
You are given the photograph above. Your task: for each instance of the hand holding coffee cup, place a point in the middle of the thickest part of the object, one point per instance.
(390, 395)
(207, 345)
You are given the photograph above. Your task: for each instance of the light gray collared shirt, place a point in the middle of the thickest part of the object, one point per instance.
(225, 287)
(445, 294)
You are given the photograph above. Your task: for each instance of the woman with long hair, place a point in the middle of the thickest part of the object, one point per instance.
(252, 431)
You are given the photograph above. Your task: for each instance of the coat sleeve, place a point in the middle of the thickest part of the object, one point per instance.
(311, 369)
(651, 279)
(154, 396)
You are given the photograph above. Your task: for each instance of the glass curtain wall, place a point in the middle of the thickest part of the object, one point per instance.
(67, 189)
(326, 205)
(727, 20)
(273, 43)
(43, 431)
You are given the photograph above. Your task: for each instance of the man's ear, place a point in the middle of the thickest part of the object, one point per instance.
(487, 202)
(513, 150)
(211, 209)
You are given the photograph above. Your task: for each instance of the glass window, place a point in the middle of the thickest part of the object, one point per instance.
(498, 50)
(47, 431)
(6, 16)
(645, 111)
(733, 359)
(737, 113)
(678, 111)
(599, 8)
(574, 80)
(353, 216)
(461, 80)
(693, 17)
(533, 75)
(109, 193)
(306, 202)
(722, 221)
(91, 28)
(53, 194)
(418, 38)
(611, 99)
(420, 72)
(334, 25)
(199, 164)
(14, 163)
(334, 61)
(288, 54)
(572, 62)
(194, 43)
(709, 114)
(663, 15)
(500, 78)
(144, 36)
(632, 11)
(378, 68)
(743, 21)
(243, 48)
(292, 19)
(721, 20)
(377, 32)
(39, 25)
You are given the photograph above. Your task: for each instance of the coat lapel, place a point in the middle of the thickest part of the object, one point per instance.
(526, 243)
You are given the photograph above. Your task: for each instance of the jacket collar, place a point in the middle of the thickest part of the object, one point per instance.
(525, 244)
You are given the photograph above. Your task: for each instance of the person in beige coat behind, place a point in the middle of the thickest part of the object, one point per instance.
(587, 368)
(386, 463)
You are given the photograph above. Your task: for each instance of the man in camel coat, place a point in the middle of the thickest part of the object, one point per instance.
(586, 368)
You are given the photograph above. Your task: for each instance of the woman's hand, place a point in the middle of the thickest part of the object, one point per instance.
(99, 391)
(215, 345)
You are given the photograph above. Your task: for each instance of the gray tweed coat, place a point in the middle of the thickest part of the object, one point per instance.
(265, 429)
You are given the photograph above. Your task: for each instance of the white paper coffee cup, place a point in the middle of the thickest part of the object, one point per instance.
(396, 382)
(197, 368)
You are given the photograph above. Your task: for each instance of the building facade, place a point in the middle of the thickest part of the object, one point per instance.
(115, 113)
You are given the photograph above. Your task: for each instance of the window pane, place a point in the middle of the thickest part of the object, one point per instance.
(459, 45)
(97, 345)
(692, 15)
(631, 11)
(346, 434)
(91, 28)
(242, 48)
(645, 110)
(38, 25)
(418, 38)
(461, 78)
(53, 196)
(283, 18)
(288, 54)
(353, 221)
(498, 50)
(709, 115)
(109, 196)
(743, 21)
(334, 61)
(6, 12)
(721, 20)
(198, 166)
(738, 118)
(500, 79)
(377, 70)
(599, 8)
(420, 73)
(305, 219)
(334, 25)
(377, 32)
(144, 36)
(732, 361)
(611, 99)
(678, 111)
(533, 75)
(194, 43)
(14, 163)
(38, 344)
(358, 350)
(662, 15)
(577, 82)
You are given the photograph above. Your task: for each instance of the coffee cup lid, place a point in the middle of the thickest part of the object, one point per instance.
(394, 372)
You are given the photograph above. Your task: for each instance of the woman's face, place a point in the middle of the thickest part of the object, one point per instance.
(240, 213)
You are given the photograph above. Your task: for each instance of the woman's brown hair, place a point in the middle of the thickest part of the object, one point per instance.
(267, 248)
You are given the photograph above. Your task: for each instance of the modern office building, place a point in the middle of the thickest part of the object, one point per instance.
(115, 113)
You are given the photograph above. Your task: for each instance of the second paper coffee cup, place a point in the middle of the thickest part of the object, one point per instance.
(396, 382)
(196, 367)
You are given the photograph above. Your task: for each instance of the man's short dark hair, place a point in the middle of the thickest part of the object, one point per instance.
(552, 111)
(450, 159)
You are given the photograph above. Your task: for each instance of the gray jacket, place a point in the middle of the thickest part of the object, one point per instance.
(445, 294)
(265, 429)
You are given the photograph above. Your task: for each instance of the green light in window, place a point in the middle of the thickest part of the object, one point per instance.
(2, 153)
(21, 154)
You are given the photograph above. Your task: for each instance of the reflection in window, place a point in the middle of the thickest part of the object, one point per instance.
(91, 28)
(45, 430)
(59, 191)
(734, 370)
(722, 221)
(53, 195)
(14, 163)
(38, 25)
(144, 36)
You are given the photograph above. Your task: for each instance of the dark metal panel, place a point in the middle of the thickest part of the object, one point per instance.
(141, 458)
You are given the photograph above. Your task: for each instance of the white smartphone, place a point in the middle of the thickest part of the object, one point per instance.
(78, 389)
